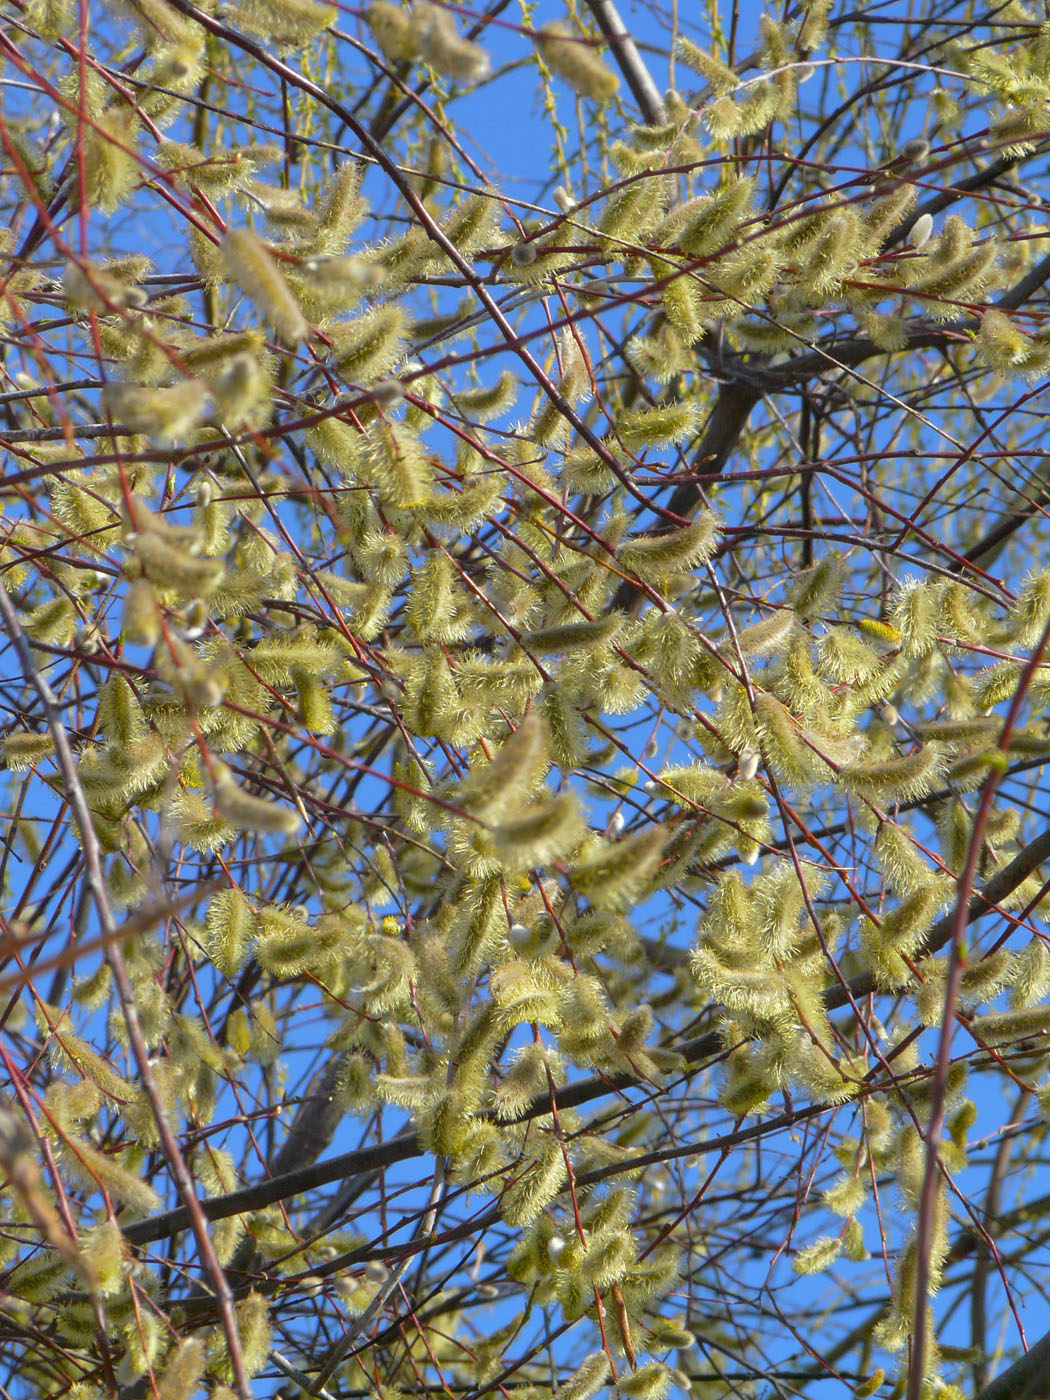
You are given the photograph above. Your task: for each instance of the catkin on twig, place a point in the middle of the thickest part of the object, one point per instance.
(251, 266)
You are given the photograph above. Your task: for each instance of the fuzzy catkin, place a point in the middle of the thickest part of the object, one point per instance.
(444, 48)
(251, 266)
(573, 59)
(166, 414)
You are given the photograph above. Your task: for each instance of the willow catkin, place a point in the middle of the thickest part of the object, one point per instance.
(167, 413)
(572, 58)
(393, 31)
(916, 149)
(708, 222)
(287, 23)
(444, 48)
(111, 168)
(247, 813)
(91, 288)
(21, 750)
(921, 230)
(719, 75)
(250, 265)
(182, 1371)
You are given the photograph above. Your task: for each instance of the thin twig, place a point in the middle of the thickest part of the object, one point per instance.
(126, 993)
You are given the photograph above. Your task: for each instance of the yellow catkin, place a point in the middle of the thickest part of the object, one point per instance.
(251, 266)
(288, 23)
(91, 288)
(392, 30)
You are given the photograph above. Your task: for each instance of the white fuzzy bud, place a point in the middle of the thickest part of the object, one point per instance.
(747, 767)
(555, 1248)
(86, 640)
(917, 149)
(196, 616)
(518, 935)
(921, 230)
(388, 393)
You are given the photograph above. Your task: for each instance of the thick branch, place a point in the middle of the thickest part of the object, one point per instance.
(629, 61)
(1025, 1379)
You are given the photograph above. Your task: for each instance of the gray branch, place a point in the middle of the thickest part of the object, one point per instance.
(1026, 1379)
(629, 61)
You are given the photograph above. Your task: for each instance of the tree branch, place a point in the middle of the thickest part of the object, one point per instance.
(1025, 1379)
(629, 61)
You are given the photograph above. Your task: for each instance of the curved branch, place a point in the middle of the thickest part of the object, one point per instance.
(96, 881)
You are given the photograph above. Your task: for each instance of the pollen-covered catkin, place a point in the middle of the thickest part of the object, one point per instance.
(719, 75)
(251, 265)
